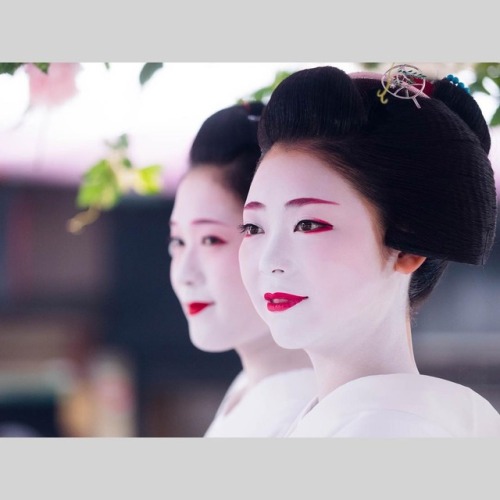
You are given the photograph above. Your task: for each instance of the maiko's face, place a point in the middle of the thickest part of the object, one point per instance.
(312, 258)
(204, 241)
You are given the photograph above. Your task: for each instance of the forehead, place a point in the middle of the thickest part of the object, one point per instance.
(287, 174)
(293, 174)
(201, 194)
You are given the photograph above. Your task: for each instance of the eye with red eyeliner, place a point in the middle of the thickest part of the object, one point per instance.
(304, 226)
(312, 226)
(212, 240)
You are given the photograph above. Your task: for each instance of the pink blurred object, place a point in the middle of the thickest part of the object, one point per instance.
(54, 88)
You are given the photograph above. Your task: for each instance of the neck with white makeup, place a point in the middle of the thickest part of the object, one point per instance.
(380, 347)
(263, 357)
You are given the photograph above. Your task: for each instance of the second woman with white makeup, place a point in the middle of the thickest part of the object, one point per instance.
(359, 201)
(275, 383)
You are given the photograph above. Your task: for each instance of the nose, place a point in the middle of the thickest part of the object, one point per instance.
(186, 270)
(274, 257)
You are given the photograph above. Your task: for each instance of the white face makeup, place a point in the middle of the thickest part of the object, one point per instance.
(204, 271)
(310, 235)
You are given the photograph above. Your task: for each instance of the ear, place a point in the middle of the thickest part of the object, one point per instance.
(407, 263)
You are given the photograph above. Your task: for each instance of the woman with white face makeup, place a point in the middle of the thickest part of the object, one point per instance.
(366, 188)
(275, 383)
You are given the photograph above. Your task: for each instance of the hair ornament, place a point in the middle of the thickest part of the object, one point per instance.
(455, 80)
(403, 81)
(248, 108)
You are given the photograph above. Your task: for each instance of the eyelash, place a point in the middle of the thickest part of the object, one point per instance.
(245, 228)
(320, 227)
(215, 240)
(174, 241)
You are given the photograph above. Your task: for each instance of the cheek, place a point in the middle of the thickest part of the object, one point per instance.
(173, 274)
(317, 248)
(223, 268)
(248, 263)
(337, 266)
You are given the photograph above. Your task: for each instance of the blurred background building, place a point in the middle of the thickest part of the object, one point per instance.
(92, 339)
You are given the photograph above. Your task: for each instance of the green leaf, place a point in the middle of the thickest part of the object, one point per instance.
(477, 87)
(106, 65)
(148, 70)
(149, 179)
(370, 66)
(9, 68)
(42, 67)
(120, 143)
(280, 76)
(99, 187)
(261, 94)
(483, 70)
(127, 163)
(264, 93)
(99, 172)
(495, 119)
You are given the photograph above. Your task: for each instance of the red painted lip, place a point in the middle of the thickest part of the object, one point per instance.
(280, 301)
(196, 307)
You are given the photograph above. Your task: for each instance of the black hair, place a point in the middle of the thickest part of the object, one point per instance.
(227, 140)
(424, 168)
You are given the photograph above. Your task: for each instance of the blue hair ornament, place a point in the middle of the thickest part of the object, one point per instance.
(455, 80)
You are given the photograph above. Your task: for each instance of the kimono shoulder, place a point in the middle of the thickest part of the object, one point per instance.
(400, 405)
(266, 410)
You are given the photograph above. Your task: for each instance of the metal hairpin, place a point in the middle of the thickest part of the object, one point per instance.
(403, 81)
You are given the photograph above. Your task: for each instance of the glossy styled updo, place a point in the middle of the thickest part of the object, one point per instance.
(227, 141)
(425, 169)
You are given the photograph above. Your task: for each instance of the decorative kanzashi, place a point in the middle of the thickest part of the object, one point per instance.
(403, 81)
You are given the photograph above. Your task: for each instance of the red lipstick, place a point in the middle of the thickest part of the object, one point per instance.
(196, 307)
(280, 301)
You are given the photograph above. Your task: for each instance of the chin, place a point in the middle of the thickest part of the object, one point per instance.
(209, 344)
(287, 338)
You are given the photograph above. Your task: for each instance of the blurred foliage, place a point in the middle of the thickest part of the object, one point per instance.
(488, 73)
(148, 70)
(105, 183)
(263, 94)
(486, 79)
(11, 68)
